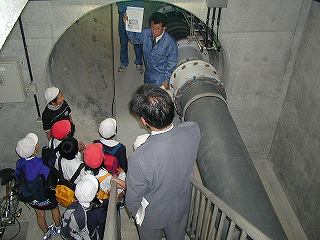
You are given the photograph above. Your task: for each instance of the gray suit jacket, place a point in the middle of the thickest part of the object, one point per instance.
(159, 171)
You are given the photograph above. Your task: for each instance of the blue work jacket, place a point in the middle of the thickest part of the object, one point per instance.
(160, 60)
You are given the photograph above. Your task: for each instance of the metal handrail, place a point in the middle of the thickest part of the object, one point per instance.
(111, 230)
(211, 218)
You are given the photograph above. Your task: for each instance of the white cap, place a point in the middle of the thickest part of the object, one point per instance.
(51, 93)
(26, 146)
(86, 190)
(140, 140)
(107, 128)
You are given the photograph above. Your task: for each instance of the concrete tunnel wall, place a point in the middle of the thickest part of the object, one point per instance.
(296, 147)
(81, 64)
(260, 38)
(56, 17)
(64, 74)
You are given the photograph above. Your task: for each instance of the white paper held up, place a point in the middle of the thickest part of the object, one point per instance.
(141, 211)
(135, 19)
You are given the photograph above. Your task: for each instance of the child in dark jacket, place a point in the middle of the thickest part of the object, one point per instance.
(30, 167)
(57, 109)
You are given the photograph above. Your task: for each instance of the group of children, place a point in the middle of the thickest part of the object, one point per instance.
(91, 168)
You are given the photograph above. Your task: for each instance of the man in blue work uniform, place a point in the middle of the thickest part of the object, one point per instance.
(160, 51)
(124, 59)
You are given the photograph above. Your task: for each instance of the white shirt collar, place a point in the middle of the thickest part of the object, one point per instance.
(162, 131)
(110, 143)
(56, 142)
(54, 108)
(158, 38)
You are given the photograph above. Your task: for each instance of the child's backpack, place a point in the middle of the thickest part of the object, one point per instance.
(49, 155)
(32, 190)
(102, 195)
(74, 222)
(80, 223)
(65, 189)
(111, 162)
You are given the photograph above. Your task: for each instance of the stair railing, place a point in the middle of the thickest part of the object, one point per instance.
(211, 218)
(113, 227)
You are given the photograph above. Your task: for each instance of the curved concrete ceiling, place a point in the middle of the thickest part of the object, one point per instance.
(11, 10)
(81, 63)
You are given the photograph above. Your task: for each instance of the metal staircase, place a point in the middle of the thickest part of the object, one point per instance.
(209, 218)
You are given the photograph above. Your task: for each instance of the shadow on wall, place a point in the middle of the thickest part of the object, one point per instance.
(81, 65)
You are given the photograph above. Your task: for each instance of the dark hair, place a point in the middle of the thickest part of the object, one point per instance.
(154, 105)
(56, 98)
(158, 18)
(94, 171)
(68, 149)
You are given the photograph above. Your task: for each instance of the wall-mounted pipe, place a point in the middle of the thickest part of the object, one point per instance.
(223, 160)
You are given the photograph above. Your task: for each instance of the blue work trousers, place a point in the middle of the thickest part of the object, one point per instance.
(124, 45)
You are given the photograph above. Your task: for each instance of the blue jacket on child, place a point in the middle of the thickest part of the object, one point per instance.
(31, 168)
(38, 193)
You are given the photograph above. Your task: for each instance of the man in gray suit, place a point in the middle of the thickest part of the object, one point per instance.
(159, 169)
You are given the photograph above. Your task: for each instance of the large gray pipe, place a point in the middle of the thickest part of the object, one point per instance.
(223, 160)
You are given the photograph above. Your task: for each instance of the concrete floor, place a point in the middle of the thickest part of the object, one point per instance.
(262, 42)
(126, 83)
(128, 128)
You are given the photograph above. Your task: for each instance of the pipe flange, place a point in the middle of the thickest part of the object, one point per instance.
(190, 70)
(210, 87)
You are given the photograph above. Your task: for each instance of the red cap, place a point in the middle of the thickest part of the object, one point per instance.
(93, 155)
(61, 129)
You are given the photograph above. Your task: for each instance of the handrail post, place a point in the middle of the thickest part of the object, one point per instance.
(111, 227)
(224, 219)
